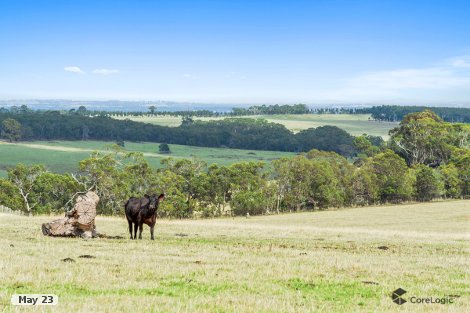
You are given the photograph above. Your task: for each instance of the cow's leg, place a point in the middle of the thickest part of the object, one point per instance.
(135, 230)
(141, 227)
(151, 231)
(130, 228)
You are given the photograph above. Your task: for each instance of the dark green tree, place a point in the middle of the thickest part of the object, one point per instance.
(451, 181)
(428, 184)
(186, 121)
(11, 129)
(191, 173)
(364, 187)
(152, 109)
(164, 148)
(391, 176)
(24, 109)
(461, 160)
(82, 110)
(9, 195)
(365, 147)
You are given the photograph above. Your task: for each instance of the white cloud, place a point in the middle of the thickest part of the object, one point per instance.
(446, 81)
(190, 76)
(421, 78)
(73, 69)
(462, 61)
(105, 71)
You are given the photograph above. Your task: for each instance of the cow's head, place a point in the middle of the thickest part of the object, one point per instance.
(154, 200)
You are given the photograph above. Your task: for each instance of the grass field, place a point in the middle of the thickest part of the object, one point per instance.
(63, 156)
(326, 261)
(355, 124)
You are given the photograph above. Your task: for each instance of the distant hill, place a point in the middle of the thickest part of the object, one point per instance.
(115, 105)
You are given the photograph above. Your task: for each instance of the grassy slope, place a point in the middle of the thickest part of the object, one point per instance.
(62, 156)
(57, 161)
(300, 262)
(352, 123)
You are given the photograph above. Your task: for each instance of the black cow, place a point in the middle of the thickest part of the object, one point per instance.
(142, 210)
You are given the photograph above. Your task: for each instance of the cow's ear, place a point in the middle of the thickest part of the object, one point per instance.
(161, 196)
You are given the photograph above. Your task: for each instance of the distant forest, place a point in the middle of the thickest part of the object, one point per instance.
(395, 113)
(390, 113)
(240, 133)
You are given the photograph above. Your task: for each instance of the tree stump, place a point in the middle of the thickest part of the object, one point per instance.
(79, 222)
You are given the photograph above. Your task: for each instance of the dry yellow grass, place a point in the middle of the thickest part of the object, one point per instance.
(323, 261)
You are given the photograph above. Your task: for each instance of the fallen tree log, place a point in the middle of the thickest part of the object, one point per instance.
(79, 222)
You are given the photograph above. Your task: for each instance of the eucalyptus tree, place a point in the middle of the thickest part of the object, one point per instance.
(423, 138)
(24, 177)
(11, 129)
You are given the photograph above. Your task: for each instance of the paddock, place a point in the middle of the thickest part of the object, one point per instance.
(330, 261)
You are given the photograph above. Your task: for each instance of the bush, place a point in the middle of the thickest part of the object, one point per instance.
(164, 148)
(252, 202)
(428, 185)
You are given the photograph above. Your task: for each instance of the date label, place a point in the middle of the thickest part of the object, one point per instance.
(33, 299)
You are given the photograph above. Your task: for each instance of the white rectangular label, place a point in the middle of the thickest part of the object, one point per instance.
(36, 299)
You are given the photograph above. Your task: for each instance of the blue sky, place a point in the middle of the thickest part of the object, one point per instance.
(372, 52)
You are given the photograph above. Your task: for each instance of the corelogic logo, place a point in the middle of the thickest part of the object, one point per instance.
(396, 296)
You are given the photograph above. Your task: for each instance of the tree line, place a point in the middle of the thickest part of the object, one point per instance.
(390, 113)
(154, 110)
(395, 113)
(425, 158)
(240, 133)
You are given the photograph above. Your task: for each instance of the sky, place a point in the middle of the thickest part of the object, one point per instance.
(248, 52)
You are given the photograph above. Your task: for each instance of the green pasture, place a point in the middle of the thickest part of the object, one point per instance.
(63, 156)
(355, 124)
